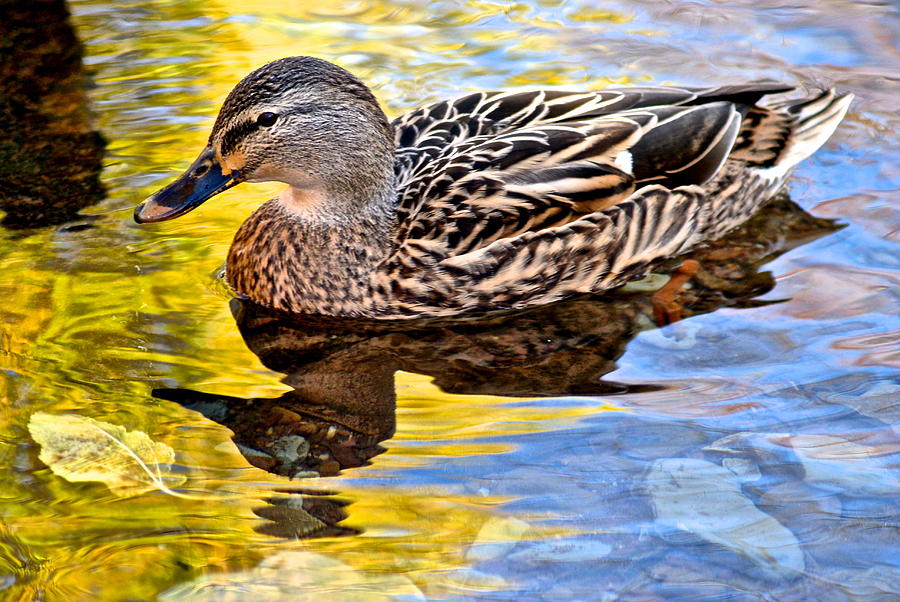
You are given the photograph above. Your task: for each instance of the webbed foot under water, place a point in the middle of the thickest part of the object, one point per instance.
(495, 200)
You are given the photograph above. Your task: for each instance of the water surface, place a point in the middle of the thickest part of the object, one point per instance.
(753, 452)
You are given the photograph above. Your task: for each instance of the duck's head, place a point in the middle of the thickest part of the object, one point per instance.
(298, 120)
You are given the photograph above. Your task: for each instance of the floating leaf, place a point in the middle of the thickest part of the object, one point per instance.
(704, 499)
(83, 449)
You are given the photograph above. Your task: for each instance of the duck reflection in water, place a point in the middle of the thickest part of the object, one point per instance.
(343, 401)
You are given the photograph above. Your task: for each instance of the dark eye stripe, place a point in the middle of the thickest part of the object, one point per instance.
(233, 136)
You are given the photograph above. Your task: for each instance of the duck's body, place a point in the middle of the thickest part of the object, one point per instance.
(494, 200)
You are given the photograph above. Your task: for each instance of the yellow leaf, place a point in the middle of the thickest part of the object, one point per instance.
(83, 449)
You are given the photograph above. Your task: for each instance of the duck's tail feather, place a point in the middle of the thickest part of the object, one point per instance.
(776, 137)
(815, 120)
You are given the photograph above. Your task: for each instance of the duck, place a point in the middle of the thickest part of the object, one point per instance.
(499, 200)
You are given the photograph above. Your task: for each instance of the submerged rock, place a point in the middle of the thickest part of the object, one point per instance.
(562, 550)
(704, 499)
(496, 538)
(297, 575)
(831, 463)
(291, 449)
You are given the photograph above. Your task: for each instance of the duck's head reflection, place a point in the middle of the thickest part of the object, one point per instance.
(342, 405)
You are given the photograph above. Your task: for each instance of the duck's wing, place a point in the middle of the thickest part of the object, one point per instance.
(426, 133)
(543, 212)
(497, 186)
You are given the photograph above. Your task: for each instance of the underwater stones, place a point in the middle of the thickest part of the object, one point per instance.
(496, 538)
(831, 463)
(291, 449)
(704, 499)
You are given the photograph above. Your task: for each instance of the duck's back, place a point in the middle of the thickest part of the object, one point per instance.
(440, 128)
(514, 199)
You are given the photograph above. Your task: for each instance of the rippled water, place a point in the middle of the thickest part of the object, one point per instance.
(754, 451)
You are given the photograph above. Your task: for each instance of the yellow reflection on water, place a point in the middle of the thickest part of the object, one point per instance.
(426, 411)
(94, 318)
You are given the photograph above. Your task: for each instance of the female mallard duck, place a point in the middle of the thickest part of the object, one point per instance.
(493, 200)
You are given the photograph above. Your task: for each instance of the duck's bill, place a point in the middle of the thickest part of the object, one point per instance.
(203, 180)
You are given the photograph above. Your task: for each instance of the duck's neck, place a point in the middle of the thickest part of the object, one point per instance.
(302, 252)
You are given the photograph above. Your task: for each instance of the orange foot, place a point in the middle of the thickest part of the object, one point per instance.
(665, 308)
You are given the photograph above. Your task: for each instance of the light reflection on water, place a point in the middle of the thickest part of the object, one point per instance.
(777, 416)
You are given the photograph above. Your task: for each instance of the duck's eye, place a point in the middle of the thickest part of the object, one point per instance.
(267, 119)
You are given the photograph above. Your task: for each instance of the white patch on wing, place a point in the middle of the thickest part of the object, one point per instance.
(624, 161)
